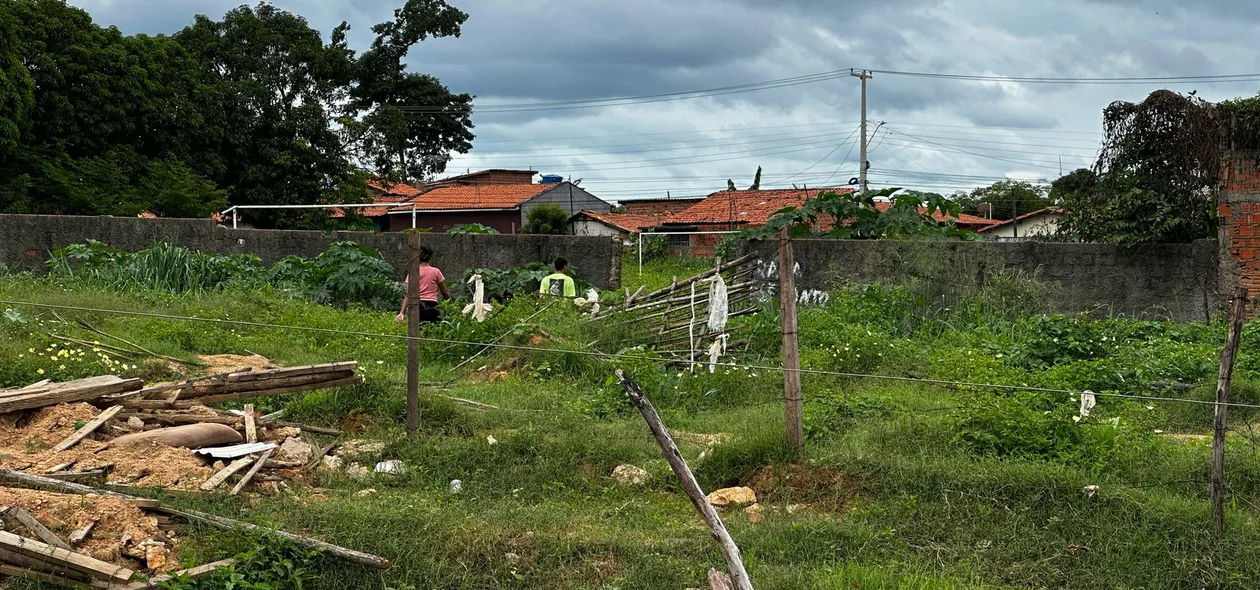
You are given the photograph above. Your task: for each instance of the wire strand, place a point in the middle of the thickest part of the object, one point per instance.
(618, 356)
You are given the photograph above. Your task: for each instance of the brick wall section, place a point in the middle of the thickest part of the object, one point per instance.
(1238, 213)
(26, 241)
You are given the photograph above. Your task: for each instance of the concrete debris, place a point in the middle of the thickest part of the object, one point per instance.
(357, 447)
(367, 492)
(295, 450)
(358, 472)
(331, 463)
(630, 476)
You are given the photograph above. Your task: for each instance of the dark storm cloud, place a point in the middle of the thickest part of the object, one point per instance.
(512, 52)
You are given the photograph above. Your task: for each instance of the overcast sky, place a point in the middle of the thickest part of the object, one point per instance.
(940, 135)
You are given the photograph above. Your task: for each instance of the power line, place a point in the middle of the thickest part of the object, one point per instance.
(1212, 79)
(615, 356)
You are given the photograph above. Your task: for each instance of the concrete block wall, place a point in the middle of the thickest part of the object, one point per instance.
(27, 241)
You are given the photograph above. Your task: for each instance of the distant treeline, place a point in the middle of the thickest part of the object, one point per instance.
(253, 108)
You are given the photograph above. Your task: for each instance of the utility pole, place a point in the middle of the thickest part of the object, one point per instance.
(864, 75)
(1014, 214)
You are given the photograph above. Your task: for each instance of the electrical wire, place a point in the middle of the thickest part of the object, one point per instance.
(605, 355)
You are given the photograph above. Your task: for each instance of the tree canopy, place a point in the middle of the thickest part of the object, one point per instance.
(857, 216)
(257, 107)
(1003, 199)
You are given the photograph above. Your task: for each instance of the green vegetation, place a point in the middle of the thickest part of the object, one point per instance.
(910, 215)
(906, 484)
(256, 108)
(547, 219)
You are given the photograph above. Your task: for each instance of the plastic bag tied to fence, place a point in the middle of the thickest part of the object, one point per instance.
(478, 308)
(719, 306)
(1088, 401)
(716, 350)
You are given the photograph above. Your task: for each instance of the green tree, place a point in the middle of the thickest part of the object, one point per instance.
(756, 185)
(1158, 165)
(276, 85)
(547, 219)
(1003, 199)
(405, 124)
(1066, 187)
(17, 90)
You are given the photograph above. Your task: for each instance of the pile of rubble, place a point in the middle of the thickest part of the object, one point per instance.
(107, 430)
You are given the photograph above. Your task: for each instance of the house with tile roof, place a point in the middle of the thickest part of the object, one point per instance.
(496, 198)
(747, 209)
(504, 207)
(620, 225)
(1034, 225)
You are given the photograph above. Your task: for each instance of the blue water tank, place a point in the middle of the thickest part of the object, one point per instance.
(552, 179)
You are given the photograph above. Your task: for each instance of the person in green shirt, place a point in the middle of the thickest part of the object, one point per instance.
(558, 284)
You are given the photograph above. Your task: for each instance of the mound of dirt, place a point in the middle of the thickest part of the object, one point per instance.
(829, 488)
(223, 363)
(120, 526)
(29, 448)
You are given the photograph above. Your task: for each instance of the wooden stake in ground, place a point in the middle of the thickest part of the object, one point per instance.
(1237, 314)
(729, 550)
(251, 427)
(413, 332)
(791, 350)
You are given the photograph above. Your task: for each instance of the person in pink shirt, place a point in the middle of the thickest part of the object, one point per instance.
(431, 284)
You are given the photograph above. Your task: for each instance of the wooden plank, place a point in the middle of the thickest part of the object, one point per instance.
(156, 404)
(730, 551)
(143, 503)
(70, 392)
(80, 535)
(267, 384)
(69, 559)
(178, 419)
(216, 399)
(304, 427)
(193, 573)
(95, 476)
(30, 573)
(1237, 316)
(87, 429)
(217, 479)
(240, 485)
(297, 371)
(35, 526)
(36, 482)
(251, 428)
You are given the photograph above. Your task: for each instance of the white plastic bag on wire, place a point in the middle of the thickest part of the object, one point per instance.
(719, 307)
(717, 349)
(1088, 401)
(478, 308)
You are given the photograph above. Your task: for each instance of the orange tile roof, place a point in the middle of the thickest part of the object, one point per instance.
(962, 219)
(630, 222)
(495, 196)
(1047, 210)
(394, 188)
(748, 208)
(386, 200)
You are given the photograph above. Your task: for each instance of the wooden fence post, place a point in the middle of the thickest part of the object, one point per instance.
(791, 350)
(1237, 315)
(730, 551)
(413, 332)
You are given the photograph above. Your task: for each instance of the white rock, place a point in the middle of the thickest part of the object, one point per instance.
(135, 422)
(391, 467)
(295, 450)
(356, 447)
(367, 492)
(331, 463)
(630, 476)
(358, 472)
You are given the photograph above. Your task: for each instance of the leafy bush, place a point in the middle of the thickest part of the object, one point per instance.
(270, 563)
(472, 228)
(161, 267)
(1035, 426)
(344, 273)
(502, 284)
(547, 219)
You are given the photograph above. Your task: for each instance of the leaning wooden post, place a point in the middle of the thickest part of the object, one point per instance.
(689, 484)
(1237, 314)
(413, 332)
(791, 351)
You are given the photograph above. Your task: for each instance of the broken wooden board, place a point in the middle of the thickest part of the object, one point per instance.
(87, 429)
(252, 472)
(217, 479)
(70, 560)
(33, 524)
(69, 392)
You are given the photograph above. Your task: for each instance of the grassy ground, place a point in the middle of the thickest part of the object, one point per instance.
(905, 485)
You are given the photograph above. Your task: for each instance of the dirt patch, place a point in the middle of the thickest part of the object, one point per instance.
(119, 525)
(223, 363)
(29, 448)
(828, 489)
